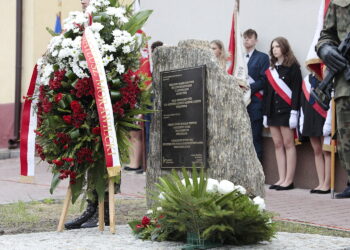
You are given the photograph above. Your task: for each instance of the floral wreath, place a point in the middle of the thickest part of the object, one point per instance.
(68, 132)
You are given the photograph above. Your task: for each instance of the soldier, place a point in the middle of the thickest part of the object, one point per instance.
(336, 27)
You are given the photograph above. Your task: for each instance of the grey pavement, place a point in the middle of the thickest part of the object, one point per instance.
(86, 239)
(12, 190)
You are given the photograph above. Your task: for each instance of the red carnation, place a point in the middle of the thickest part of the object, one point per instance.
(58, 97)
(58, 162)
(145, 220)
(96, 131)
(75, 106)
(139, 226)
(67, 119)
(66, 146)
(84, 87)
(68, 159)
(46, 105)
(84, 155)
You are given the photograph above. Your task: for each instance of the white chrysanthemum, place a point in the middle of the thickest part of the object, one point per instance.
(126, 49)
(108, 48)
(83, 64)
(161, 196)
(118, 13)
(159, 208)
(96, 27)
(67, 42)
(212, 185)
(54, 42)
(149, 211)
(260, 202)
(40, 62)
(120, 68)
(74, 20)
(107, 59)
(91, 9)
(240, 189)
(225, 187)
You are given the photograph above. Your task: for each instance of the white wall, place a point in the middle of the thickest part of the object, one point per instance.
(175, 20)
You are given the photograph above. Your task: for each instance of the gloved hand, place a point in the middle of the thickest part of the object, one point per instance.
(265, 121)
(293, 119)
(327, 128)
(332, 58)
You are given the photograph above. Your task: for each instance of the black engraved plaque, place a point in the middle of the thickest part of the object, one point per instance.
(183, 123)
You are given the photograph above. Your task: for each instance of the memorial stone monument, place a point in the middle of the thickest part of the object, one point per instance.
(227, 150)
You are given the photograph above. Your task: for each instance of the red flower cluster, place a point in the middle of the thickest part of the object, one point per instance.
(96, 131)
(46, 105)
(129, 93)
(62, 139)
(84, 87)
(84, 155)
(68, 173)
(55, 83)
(39, 149)
(58, 163)
(145, 221)
(58, 97)
(78, 116)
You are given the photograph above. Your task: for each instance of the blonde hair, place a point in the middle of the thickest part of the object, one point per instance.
(223, 56)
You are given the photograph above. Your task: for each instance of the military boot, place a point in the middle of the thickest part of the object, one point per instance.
(90, 210)
(92, 222)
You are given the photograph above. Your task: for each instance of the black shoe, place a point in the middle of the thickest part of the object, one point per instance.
(92, 222)
(289, 187)
(88, 213)
(132, 169)
(274, 186)
(313, 191)
(322, 191)
(345, 194)
(139, 171)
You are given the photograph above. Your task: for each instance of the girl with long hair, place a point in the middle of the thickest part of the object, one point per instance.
(281, 104)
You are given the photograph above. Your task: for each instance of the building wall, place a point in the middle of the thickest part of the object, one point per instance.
(37, 15)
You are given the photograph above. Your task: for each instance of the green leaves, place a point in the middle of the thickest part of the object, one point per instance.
(54, 182)
(137, 21)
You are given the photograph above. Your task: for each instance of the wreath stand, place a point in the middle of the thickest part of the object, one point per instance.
(101, 213)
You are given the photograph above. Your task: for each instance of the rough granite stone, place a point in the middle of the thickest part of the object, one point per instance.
(231, 153)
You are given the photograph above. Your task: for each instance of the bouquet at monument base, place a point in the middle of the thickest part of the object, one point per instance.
(69, 125)
(204, 212)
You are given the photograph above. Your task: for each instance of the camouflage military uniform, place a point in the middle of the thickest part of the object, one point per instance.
(336, 27)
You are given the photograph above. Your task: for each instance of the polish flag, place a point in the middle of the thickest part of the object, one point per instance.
(237, 65)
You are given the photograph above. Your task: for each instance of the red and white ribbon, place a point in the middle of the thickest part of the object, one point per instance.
(103, 102)
(306, 90)
(28, 125)
(279, 85)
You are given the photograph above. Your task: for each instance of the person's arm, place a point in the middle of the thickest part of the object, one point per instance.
(297, 81)
(329, 33)
(259, 83)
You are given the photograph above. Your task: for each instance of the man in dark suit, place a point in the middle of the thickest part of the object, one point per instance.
(258, 63)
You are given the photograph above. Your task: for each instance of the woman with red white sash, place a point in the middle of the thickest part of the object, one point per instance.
(315, 123)
(281, 104)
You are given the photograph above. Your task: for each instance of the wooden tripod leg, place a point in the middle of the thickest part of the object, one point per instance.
(66, 203)
(101, 215)
(111, 206)
(333, 145)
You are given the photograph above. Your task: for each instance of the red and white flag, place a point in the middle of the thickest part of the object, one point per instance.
(313, 62)
(237, 65)
(28, 126)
